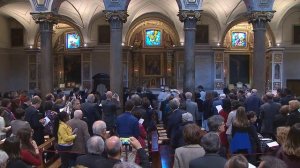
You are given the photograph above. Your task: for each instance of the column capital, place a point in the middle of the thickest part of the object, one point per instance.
(120, 15)
(185, 15)
(49, 17)
(260, 16)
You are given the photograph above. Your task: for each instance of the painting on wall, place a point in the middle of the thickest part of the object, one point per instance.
(239, 39)
(152, 38)
(152, 65)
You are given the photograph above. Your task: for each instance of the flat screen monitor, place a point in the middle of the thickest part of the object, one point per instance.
(72, 40)
(239, 39)
(153, 38)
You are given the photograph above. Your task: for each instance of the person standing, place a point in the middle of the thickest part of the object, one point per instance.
(35, 120)
(79, 146)
(109, 111)
(65, 137)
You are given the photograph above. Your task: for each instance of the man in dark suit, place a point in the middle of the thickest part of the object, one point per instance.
(268, 111)
(95, 147)
(35, 120)
(91, 112)
(211, 144)
(174, 121)
(109, 110)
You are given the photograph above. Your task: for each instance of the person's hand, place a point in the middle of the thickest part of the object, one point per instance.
(42, 121)
(135, 143)
(36, 149)
(75, 131)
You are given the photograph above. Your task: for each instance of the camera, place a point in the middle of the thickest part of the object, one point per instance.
(125, 141)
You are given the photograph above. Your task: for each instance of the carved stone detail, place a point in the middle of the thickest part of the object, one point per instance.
(120, 15)
(261, 16)
(185, 15)
(45, 17)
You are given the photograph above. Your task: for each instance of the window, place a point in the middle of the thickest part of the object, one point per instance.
(202, 34)
(72, 40)
(152, 38)
(296, 34)
(103, 34)
(239, 39)
(16, 36)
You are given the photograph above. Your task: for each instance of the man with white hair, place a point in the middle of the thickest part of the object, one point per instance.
(192, 107)
(91, 112)
(99, 129)
(82, 132)
(95, 147)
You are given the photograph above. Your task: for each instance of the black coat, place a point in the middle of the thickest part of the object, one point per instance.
(208, 161)
(174, 121)
(33, 116)
(91, 113)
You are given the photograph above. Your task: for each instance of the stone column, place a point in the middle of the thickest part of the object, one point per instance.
(116, 20)
(46, 21)
(259, 21)
(190, 19)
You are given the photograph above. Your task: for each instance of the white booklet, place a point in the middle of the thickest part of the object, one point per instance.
(47, 120)
(219, 108)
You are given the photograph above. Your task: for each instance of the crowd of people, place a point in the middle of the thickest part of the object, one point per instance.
(204, 129)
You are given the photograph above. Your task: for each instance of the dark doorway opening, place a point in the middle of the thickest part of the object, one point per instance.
(72, 70)
(239, 69)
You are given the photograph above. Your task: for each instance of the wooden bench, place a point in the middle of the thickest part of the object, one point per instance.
(52, 162)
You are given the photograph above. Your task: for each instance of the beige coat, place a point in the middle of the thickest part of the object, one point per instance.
(185, 154)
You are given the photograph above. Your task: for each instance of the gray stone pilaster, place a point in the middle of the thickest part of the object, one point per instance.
(46, 21)
(190, 19)
(259, 21)
(116, 20)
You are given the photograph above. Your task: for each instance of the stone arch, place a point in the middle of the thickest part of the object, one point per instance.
(154, 20)
(64, 20)
(269, 33)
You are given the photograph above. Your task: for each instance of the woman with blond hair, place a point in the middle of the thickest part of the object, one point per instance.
(290, 150)
(294, 117)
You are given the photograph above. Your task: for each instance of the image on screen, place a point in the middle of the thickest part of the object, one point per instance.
(73, 40)
(153, 37)
(239, 39)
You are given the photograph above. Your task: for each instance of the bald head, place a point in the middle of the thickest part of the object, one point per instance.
(113, 146)
(99, 128)
(77, 114)
(109, 95)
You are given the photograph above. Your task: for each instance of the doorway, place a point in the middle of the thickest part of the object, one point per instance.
(72, 70)
(239, 69)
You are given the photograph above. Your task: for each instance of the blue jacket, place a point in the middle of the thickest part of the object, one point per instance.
(127, 125)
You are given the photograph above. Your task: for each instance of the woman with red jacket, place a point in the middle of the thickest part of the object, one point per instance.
(29, 150)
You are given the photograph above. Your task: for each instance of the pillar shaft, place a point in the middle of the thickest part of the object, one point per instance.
(190, 19)
(259, 21)
(46, 21)
(116, 20)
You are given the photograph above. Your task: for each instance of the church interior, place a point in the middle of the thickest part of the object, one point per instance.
(153, 46)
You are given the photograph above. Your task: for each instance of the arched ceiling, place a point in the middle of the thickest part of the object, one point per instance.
(85, 12)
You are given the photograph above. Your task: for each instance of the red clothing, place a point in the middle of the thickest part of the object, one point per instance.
(223, 136)
(29, 158)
